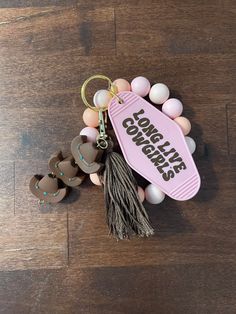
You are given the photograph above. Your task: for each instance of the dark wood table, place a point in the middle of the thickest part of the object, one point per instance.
(60, 259)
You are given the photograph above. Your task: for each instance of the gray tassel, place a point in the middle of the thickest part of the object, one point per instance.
(125, 213)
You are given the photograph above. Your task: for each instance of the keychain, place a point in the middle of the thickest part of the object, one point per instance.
(153, 143)
(125, 211)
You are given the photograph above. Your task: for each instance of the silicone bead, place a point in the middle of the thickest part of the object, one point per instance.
(172, 108)
(102, 98)
(91, 134)
(141, 86)
(90, 117)
(122, 85)
(95, 179)
(153, 194)
(184, 124)
(141, 194)
(159, 93)
(191, 144)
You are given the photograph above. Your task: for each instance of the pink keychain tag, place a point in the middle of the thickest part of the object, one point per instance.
(154, 146)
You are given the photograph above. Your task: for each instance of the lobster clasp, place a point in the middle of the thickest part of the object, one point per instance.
(103, 138)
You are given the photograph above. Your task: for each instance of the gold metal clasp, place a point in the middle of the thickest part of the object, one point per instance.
(111, 88)
(102, 139)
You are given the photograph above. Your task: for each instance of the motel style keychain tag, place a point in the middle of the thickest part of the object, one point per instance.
(154, 146)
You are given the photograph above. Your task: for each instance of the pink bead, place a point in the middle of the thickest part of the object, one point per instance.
(95, 179)
(141, 194)
(184, 124)
(122, 85)
(91, 134)
(172, 108)
(141, 86)
(102, 98)
(90, 118)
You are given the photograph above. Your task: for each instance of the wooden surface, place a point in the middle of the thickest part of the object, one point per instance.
(59, 259)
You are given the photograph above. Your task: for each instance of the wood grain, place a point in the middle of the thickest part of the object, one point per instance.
(37, 241)
(208, 288)
(35, 3)
(46, 3)
(60, 259)
(31, 235)
(71, 28)
(199, 227)
(231, 114)
(57, 97)
(186, 28)
(7, 189)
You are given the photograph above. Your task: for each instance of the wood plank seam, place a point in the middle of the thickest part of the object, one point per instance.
(115, 30)
(68, 238)
(227, 127)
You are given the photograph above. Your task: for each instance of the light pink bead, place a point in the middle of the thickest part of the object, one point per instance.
(102, 98)
(184, 124)
(90, 117)
(122, 85)
(91, 134)
(95, 179)
(141, 194)
(172, 108)
(141, 86)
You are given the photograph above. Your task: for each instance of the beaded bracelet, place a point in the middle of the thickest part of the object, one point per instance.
(153, 142)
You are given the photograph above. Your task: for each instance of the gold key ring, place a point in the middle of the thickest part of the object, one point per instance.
(111, 88)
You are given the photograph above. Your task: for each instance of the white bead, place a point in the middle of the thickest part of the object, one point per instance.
(191, 144)
(102, 98)
(159, 93)
(153, 194)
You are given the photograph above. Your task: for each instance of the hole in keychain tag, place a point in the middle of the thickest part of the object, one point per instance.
(154, 146)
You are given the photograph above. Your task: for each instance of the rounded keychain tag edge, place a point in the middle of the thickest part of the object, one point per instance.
(178, 192)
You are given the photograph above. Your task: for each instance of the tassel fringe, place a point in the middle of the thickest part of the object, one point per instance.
(125, 213)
